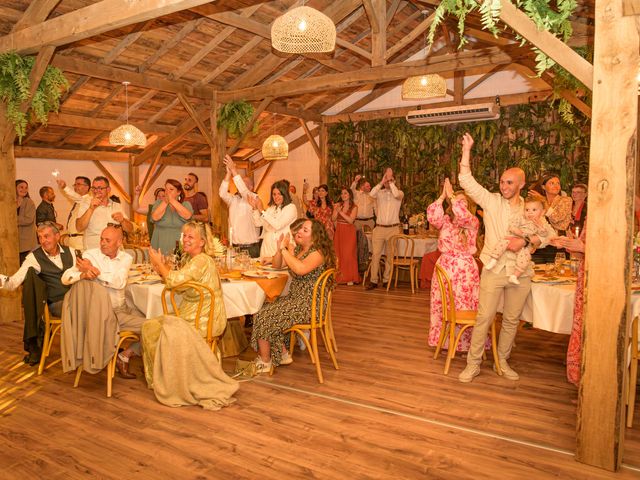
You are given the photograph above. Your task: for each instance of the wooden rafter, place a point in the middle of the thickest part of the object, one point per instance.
(89, 21)
(36, 12)
(194, 116)
(377, 12)
(415, 33)
(310, 137)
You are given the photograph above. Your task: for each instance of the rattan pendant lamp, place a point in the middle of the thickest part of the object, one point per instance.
(127, 135)
(275, 147)
(303, 30)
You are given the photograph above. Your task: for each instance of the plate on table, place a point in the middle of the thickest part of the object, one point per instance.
(271, 268)
(259, 274)
(147, 279)
(551, 280)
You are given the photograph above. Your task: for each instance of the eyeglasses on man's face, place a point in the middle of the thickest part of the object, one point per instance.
(98, 189)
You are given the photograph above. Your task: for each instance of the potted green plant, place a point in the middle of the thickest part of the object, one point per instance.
(235, 116)
(15, 86)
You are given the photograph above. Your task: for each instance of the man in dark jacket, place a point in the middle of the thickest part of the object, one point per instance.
(49, 261)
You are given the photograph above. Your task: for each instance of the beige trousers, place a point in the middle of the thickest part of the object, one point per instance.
(380, 238)
(492, 286)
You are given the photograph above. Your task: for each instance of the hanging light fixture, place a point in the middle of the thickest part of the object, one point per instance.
(127, 135)
(421, 87)
(424, 86)
(303, 30)
(275, 147)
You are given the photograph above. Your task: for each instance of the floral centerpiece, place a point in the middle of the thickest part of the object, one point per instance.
(418, 221)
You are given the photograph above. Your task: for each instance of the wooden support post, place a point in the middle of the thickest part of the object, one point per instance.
(311, 138)
(218, 209)
(324, 150)
(458, 87)
(601, 401)
(9, 254)
(134, 175)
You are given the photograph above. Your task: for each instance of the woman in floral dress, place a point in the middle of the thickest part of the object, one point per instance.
(574, 351)
(457, 244)
(306, 261)
(322, 209)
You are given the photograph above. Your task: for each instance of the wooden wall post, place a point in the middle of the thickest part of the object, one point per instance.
(601, 404)
(218, 208)
(324, 150)
(9, 261)
(134, 176)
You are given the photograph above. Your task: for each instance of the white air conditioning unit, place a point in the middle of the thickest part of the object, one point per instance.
(458, 114)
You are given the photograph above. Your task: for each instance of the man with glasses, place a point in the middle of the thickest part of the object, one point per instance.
(80, 192)
(198, 200)
(49, 261)
(95, 214)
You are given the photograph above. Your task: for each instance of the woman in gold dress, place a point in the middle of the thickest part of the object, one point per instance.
(179, 365)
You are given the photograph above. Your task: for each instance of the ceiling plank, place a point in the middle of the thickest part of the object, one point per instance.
(120, 75)
(435, 64)
(88, 21)
(547, 43)
(406, 40)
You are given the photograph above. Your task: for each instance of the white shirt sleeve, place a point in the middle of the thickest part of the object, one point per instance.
(374, 191)
(17, 278)
(395, 191)
(223, 191)
(71, 194)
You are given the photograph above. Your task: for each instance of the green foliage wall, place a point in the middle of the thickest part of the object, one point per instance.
(531, 136)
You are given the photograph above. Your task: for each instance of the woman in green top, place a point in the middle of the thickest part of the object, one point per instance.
(169, 215)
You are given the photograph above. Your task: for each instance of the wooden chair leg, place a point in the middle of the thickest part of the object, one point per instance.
(443, 333)
(393, 268)
(314, 347)
(45, 347)
(292, 342)
(111, 367)
(78, 374)
(451, 352)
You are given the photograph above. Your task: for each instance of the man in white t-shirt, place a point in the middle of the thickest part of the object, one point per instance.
(96, 213)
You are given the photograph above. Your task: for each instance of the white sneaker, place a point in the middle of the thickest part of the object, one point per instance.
(507, 372)
(262, 366)
(350, 284)
(491, 263)
(286, 358)
(469, 373)
(513, 279)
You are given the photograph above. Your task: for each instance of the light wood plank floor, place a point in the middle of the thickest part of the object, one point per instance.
(389, 412)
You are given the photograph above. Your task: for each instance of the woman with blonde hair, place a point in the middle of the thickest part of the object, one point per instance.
(179, 365)
(457, 243)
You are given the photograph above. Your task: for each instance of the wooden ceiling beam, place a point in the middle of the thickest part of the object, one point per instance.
(378, 16)
(311, 138)
(505, 100)
(113, 74)
(194, 116)
(36, 12)
(90, 123)
(555, 48)
(89, 21)
(67, 154)
(435, 64)
(306, 114)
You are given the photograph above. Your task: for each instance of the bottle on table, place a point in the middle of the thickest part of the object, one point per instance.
(405, 224)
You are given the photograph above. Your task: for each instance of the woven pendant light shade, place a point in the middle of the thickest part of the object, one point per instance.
(275, 148)
(303, 30)
(424, 86)
(127, 135)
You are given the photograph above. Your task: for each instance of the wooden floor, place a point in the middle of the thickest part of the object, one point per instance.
(389, 412)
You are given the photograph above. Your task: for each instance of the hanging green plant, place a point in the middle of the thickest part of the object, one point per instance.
(235, 116)
(540, 12)
(14, 90)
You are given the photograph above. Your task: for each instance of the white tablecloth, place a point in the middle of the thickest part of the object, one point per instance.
(421, 245)
(550, 307)
(240, 298)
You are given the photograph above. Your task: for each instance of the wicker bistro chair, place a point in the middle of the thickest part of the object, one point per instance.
(633, 371)
(202, 290)
(52, 326)
(452, 318)
(138, 253)
(401, 257)
(320, 323)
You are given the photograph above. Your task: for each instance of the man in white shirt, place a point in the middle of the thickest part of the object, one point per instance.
(388, 200)
(109, 266)
(95, 214)
(498, 208)
(245, 234)
(362, 199)
(77, 194)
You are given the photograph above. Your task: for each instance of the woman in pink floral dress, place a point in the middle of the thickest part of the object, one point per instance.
(322, 209)
(457, 243)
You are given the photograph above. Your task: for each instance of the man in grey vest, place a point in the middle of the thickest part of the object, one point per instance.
(50, 260)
